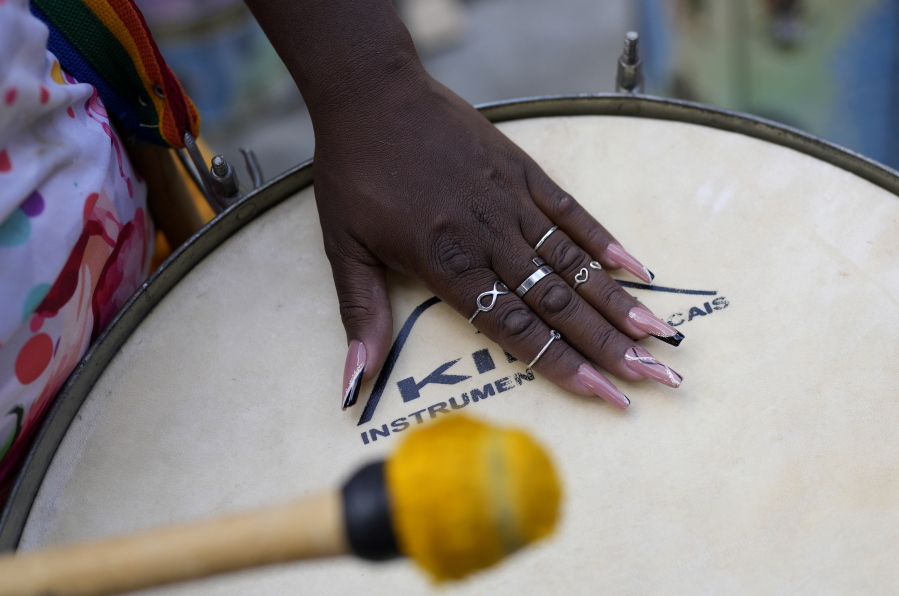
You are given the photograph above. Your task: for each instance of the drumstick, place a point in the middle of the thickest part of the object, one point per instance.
(456, 496)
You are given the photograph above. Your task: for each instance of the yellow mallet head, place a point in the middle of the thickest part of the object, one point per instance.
(461, 495)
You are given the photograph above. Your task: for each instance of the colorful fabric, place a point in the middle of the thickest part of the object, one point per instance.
(107, 44)
(74, 231)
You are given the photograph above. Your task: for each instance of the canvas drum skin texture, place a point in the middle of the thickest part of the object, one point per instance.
(772, 469)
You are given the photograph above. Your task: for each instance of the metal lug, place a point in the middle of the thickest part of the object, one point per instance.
(630, 66)
(224, 180)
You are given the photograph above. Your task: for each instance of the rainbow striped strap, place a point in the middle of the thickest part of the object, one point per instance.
(107, 43)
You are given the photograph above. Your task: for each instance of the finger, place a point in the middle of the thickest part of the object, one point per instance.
(561, 308)
(561, 208)
(365, 310)
(603, 293)
(506, 320)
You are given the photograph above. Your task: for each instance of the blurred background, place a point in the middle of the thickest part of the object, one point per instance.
(830, 67)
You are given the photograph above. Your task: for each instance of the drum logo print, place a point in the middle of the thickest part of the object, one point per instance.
(466, 372)
(478, 370)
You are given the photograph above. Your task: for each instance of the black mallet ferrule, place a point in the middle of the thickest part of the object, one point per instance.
(366, 509)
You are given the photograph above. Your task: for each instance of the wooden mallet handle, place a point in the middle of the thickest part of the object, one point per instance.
(306, 529)
(376, 515)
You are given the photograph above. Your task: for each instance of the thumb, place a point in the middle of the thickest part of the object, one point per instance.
(365, 310)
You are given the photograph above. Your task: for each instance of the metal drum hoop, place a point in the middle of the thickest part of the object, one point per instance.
(79, 384)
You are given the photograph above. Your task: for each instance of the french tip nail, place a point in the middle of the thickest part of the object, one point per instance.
(644, 321)
(600, 386)
(352, 394)
(642, 362)
(673, 340)
(352, 373)
(628, 262)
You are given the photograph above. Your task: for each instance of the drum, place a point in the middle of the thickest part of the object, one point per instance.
(771, 470)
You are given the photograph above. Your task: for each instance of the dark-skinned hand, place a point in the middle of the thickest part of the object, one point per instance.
(408, 176)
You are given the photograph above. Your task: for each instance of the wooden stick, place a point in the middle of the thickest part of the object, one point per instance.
(306, 529)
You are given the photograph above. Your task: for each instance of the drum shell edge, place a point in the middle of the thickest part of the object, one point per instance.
(142, 302)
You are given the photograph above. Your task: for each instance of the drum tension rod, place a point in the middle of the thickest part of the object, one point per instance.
(224, 177)
(219, 184)
(193, 163)
(630, 66)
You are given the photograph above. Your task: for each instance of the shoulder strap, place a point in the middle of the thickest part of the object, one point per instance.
(107, 43)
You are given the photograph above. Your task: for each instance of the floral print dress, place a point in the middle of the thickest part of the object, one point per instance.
(74, 230)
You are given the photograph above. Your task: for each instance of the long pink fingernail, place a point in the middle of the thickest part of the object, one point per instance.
(647, 322)
(590, 378)
(642, 362)
(352, 373)
(626, 261)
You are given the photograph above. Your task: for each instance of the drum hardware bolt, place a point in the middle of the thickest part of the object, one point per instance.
(630, 66)
(196, 167)
(253, 167)
(224, 180)
(220, 167)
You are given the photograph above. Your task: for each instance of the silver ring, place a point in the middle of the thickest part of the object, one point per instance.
(536, 276)
(545, 236)
(584, 274)
(499, 288)
(581, 276)
(553, 336)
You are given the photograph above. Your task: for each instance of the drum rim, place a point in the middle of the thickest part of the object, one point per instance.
(82, 379)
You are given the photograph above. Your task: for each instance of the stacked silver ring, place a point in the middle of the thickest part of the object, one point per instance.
(542, 271)
(583, 275)
(553, 336)
(499, 288)
(545, 236)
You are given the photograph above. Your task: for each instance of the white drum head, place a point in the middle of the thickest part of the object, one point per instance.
(771, 470)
